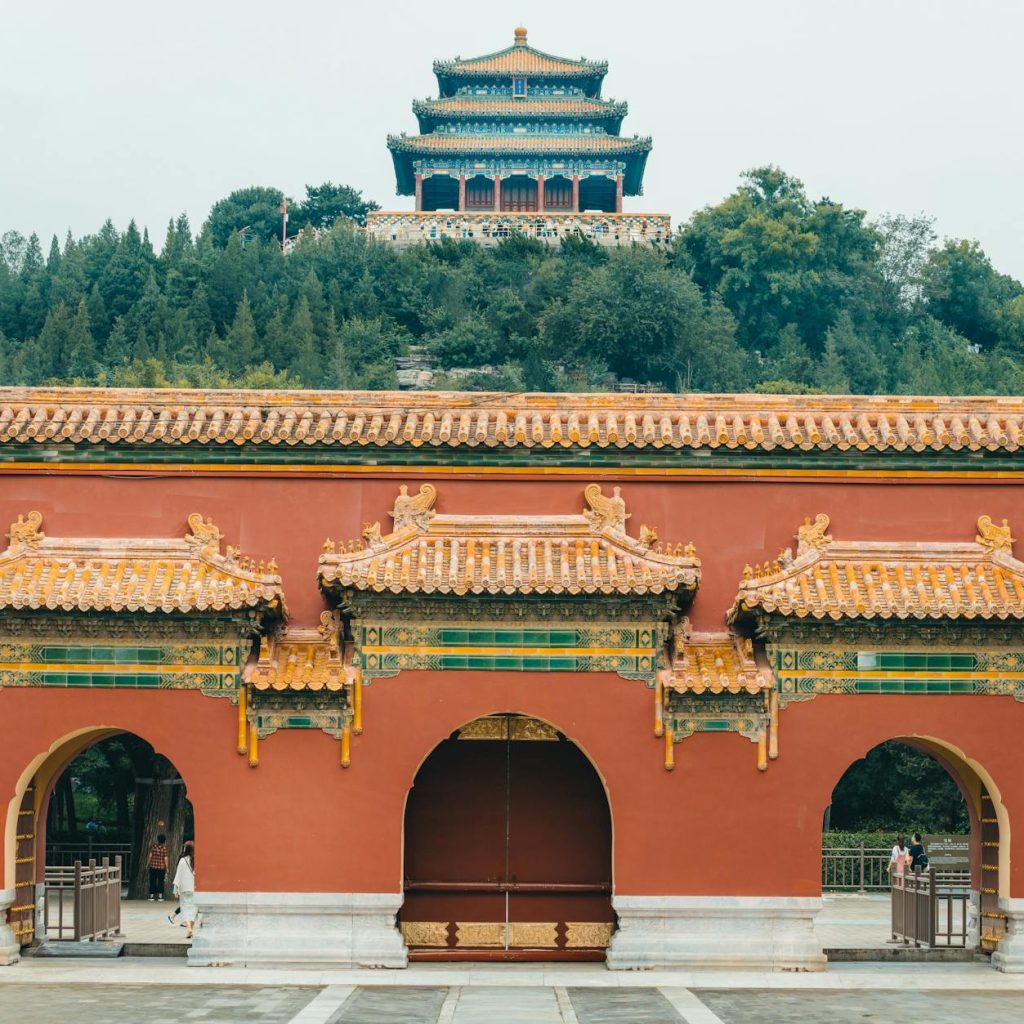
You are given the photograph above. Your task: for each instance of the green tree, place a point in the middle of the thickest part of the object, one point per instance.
(777, 259)
(964, 291)
(327, 203)
(81, 348)
(240, 347)
(253, 212)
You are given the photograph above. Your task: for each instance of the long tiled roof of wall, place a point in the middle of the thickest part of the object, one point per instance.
(451, 419)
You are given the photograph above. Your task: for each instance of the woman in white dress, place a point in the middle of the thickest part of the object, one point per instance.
(185, 886)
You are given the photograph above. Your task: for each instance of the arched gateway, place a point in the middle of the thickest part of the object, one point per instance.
(513, 579)
(508, 848)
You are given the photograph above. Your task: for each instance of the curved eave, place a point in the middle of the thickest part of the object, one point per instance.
(450, 79)
(430, 118)
(743, 613)
(405, 179)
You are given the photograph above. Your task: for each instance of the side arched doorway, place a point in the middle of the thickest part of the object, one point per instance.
(97, 795)
(919, 784)
(508, 850)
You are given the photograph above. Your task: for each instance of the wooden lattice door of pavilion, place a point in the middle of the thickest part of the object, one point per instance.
(21, 916)
(507, 848)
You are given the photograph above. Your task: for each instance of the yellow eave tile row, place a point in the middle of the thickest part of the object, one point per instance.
(453, 419)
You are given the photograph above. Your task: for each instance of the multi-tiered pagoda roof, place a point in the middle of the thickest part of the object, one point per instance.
(524, 118)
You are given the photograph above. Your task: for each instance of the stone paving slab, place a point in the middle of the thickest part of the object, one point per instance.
(622, 1006)
(756, 1007)
(389, 1005)
(154, 1004)
(525, 1005)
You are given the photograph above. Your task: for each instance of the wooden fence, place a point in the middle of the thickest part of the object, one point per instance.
(930, 908)
(82, 902)
(85, 850)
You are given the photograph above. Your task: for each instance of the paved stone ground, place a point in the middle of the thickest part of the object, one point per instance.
(780, 1007)
(151, 1004)
(41, 1002)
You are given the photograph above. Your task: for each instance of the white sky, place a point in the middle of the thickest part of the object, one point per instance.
(129, 108)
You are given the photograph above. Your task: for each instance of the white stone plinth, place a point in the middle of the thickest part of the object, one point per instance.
(742, 932)
(1009, 956)
(10, 950)
(298, 929)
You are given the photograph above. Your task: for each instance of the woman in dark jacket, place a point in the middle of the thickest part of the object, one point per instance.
(918, 857)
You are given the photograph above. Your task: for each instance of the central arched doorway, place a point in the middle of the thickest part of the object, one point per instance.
(507, 848)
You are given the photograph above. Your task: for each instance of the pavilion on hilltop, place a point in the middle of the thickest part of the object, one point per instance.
(519, 141)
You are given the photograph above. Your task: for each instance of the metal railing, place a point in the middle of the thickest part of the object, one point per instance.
(855, 868)
(930, 908)
(82, 902)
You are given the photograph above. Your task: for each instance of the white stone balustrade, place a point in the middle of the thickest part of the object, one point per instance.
(402, 228)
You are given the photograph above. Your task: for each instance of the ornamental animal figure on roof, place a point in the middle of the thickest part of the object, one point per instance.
(442, 553)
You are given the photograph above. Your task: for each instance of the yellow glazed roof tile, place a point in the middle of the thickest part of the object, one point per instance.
(714, 663)
(439, 553)
(137, 574)
(871, 579)
(301, 659)
(140, 417)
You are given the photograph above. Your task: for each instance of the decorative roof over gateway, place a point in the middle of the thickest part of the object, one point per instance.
(301, 659)
(141, 417)
(714, 663)
(867, 579)
(137, 574)
(439, 553)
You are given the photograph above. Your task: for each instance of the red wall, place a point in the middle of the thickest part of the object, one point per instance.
(714, 825)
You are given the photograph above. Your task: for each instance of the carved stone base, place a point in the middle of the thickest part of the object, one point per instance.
(298, 929)
(1009, 957)
(744, 932)
(10, 950)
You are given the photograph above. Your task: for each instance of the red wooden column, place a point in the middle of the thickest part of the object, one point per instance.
(618, 194)
(462, 192)
(419, 191)
(540, 193)
(575, 193)
(497, 193)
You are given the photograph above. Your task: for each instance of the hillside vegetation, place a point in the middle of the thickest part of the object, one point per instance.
(769, 290)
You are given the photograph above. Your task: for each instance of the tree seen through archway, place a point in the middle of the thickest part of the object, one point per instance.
(120, 791)
(897, 788)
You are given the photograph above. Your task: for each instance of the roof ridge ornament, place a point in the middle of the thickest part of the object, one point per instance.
(415, 511)
(25, 532)
(813, 536)
(993, 537)
(606, 513)
(205, 535)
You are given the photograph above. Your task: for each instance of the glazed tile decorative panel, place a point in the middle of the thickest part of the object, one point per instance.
(385, 649)
(120, 651)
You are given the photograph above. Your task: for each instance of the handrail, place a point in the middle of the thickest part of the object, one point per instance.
(82, 902)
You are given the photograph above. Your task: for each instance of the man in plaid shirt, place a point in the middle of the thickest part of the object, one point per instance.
(158, 868)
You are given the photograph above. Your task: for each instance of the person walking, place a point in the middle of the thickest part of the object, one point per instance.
(898, 858)
(918, 856)
(185, 886)
(157, 864)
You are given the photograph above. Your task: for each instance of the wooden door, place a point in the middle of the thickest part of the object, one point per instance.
(22, 915)
(507, 849)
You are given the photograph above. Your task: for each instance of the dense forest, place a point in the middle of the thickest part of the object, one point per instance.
(768, 290)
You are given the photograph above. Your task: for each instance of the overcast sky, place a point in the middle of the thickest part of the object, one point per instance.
(131, 108)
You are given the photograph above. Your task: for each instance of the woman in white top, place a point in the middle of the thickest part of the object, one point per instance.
(898, 859)
(185, 886)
